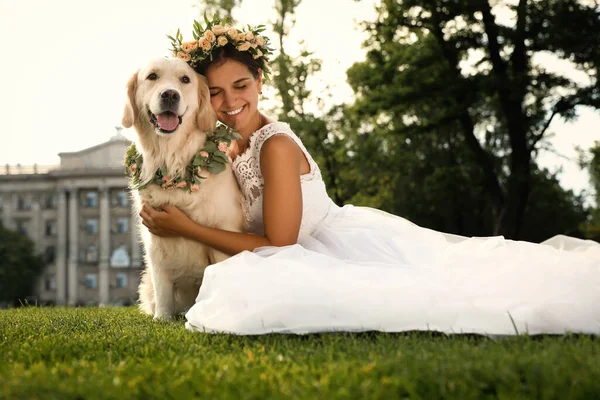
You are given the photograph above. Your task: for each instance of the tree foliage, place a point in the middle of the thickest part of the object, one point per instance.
(447, 72)
(19, 266)
(591, 161)
(223, 8)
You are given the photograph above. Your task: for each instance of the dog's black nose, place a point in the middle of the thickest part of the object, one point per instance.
(169, 99)
(170, 95)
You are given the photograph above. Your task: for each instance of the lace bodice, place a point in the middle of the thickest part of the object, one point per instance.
(246, 167)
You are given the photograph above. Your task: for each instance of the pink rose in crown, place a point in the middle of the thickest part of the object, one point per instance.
(204, 44)
(133, 168)
(219, 29)
(166, 178)
(243, 47)
(182, 184)
(183, 56)
(195, 187)
(223, 147)
(204, 154)
(222, 41)
(188, 47)
(210, 36)
(232, 32)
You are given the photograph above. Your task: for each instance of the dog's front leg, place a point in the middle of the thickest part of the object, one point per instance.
(163, 292)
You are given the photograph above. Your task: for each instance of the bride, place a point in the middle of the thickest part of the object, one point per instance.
(307, 265)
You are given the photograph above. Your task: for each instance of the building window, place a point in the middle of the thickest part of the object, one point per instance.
(91, 200)
(23, 203)
(49, 201)
(50, 283)
(121, 280)
(122, 225)
(23, 227)
(121, 199)
(50, 228)
(120, 258)
(50, 254)
(91, 254)
(91, 281)
(91, 226)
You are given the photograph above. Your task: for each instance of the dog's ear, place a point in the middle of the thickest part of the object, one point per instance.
(207, 117)
(130, 112)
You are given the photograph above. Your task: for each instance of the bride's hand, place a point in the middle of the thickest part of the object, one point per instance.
(170, 221)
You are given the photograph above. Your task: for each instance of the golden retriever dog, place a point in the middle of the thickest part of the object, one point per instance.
(169, 107)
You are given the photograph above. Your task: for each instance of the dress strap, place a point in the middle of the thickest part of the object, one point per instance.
(282, 128)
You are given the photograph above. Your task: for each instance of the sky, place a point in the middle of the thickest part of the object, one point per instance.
(65, 64)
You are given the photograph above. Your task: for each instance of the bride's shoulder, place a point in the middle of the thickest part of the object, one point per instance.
(269, 130)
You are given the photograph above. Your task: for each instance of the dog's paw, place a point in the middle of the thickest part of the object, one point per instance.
(162, 317)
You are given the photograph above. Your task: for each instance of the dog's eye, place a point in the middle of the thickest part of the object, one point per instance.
(185, 79)
(152, 77)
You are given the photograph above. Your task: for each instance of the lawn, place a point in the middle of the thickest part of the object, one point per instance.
(117, 353)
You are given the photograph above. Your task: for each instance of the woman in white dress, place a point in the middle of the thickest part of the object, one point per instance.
(307, 265)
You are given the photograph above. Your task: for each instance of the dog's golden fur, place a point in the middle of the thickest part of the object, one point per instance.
(175, 266)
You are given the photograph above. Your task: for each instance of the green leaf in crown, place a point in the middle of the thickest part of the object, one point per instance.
(212, 158)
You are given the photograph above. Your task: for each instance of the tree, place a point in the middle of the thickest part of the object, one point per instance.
(19, 266)
(223, 8)
(290, 76)
(591, 161)
(448, 68)
(552, 209)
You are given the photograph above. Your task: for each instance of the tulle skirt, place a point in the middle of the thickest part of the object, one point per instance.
(367, 270)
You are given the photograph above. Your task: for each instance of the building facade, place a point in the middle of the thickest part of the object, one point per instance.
(79, 216)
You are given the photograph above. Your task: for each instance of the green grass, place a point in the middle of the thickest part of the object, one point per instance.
(116, 353)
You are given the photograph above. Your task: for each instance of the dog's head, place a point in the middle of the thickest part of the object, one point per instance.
(170, 96)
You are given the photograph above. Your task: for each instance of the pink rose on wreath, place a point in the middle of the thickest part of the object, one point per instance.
(223, 147)
(203, 154)
(195, 187)
(222, 41)
(219, 29)
(183, 56)
(182, 184)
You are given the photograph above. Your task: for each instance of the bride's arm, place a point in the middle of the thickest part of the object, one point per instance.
(280, 163)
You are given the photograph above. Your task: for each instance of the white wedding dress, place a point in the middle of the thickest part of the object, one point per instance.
(361, 269)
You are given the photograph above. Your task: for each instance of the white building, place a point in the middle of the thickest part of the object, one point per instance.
(79, 216)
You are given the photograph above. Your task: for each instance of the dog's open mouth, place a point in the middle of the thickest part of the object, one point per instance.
(166, 122)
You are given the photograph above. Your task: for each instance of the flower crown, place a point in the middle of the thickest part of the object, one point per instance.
(219, 33)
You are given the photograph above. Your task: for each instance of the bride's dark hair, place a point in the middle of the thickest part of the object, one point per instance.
(229, 52)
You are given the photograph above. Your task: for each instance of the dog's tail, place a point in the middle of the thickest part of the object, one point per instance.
(146, 292)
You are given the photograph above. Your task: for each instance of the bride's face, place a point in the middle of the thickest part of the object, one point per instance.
(234, 95)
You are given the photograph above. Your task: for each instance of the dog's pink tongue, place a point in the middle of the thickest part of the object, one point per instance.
(167, 121)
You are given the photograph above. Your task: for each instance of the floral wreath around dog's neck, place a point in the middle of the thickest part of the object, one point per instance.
(212, 158)
(219, 33)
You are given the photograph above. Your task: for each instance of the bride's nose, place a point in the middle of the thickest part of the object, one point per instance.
(230, 98)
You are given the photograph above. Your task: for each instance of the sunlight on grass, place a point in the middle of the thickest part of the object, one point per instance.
(108, 353)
